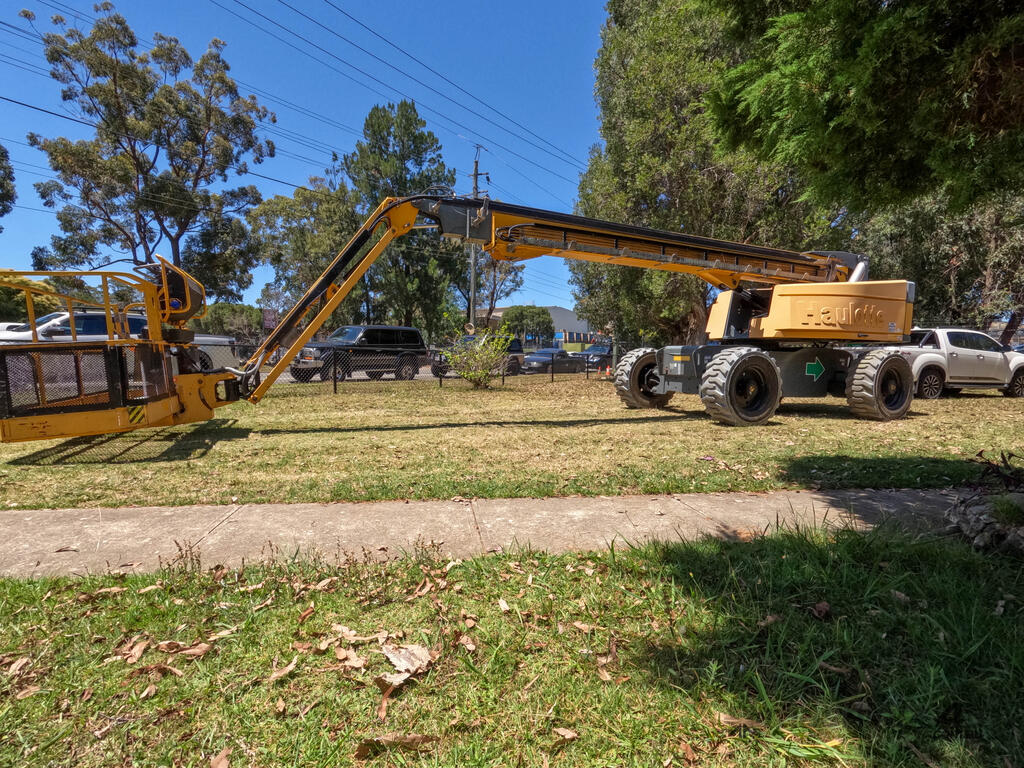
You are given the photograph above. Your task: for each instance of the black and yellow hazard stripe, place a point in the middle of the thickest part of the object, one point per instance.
(136, 413)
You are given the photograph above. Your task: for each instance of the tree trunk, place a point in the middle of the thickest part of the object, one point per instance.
(1012, 324)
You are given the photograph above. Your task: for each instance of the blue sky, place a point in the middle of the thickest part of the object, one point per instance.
(528, 61)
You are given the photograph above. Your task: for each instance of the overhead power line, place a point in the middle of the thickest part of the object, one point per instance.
(429, 87)
(389, 86)
(426, 66)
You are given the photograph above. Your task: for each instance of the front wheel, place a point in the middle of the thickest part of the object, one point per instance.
(1016, 386)
(930, 383)
(513, 368)
(303, 375)
(880, 386)
(741, 387)
(329, 370)
(637, 380)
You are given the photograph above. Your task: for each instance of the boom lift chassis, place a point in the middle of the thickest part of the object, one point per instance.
(783, 323)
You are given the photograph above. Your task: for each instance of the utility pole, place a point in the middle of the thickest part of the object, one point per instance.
(471, 310)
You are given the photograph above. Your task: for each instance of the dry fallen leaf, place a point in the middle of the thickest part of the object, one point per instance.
(771, 618)
(900, 597)
(24, 693)
(349, 658)
(838, 670)
(222, 634)
(467, 642)
(390, 680)
(603, 674)
(306, 613)
(169, 646)
(195, 651)
(688, 754)
(737, 722)
(503, 605)
(150, 691)
(821, 610)
(586, 628)
(136, 652)
(408, 741)
(279, 706)
(277, 674)
(408, 658)
(18, 665)
(221, 759)
(150, 588)
(565, 735)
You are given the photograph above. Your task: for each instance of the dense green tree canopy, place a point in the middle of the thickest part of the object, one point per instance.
(167, 129)
(241, 321)
(524, 320)
(660, 167)
(875, 103)
(412, 282)
(7, 191)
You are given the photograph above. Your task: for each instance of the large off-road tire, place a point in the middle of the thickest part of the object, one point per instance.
(880, 386)
(930, 384)
(636, 379)
(741, 386)
(1016, 386)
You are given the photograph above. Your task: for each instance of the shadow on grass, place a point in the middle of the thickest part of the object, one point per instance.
(150, 445)
(836, 470)
(904, 644)
(667, 414)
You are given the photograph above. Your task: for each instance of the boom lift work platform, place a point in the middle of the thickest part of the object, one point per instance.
(778, 326)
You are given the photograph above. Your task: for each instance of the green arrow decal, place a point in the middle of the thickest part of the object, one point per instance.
(815, 369)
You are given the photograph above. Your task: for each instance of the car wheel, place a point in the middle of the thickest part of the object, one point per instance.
(929, 384)
(439, 371)
(406, 370)
(1016, 385)
(204, 362)
(513, 368)
(328, 370)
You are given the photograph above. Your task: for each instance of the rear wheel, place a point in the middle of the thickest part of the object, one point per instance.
(1016, 386)
(406, 370)
(741, 387)
(880, 386)
(930, 383)
(637, 380)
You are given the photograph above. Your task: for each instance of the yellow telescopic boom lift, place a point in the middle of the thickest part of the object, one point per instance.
(781, 323)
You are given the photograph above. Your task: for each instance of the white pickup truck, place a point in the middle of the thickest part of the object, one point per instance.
(950, 359)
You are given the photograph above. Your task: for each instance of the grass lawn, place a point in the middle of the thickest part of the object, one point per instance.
(799, 648)
(388, 440)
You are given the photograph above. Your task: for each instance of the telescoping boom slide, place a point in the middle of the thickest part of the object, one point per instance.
(780, 317)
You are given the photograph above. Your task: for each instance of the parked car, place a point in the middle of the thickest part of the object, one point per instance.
(9, 326)
(375, 349)
(543, 360)
(950, 359)
(514, 358)
(91, 325)
(597, 355)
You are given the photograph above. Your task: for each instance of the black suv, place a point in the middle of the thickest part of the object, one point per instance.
(376, 349)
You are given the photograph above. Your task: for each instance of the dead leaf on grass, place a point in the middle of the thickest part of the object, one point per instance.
(136, 651)
(222, 634)
(220, 760)
(503, 605)
(407, 741)
(688, 754)
(612, 656)
(277, 674)
(771, 618)
(900, 597)
(391, 680)
(737, 722)
(170, 646)
(565, 735)
(195, 651)
(821, 610)
(110, 591)
(279, 706)
(467, 642)
(829, 667)
(30, 690)
(150, 588)
(603, 674)
(585, 628)
(307, 613)
(18, 666)
(409, 658)
(349, 658)
(149, 692)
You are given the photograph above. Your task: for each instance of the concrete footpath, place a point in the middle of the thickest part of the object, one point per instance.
(80, 541)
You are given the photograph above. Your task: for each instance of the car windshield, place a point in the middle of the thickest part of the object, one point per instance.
(40, 321)
(346, 333)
